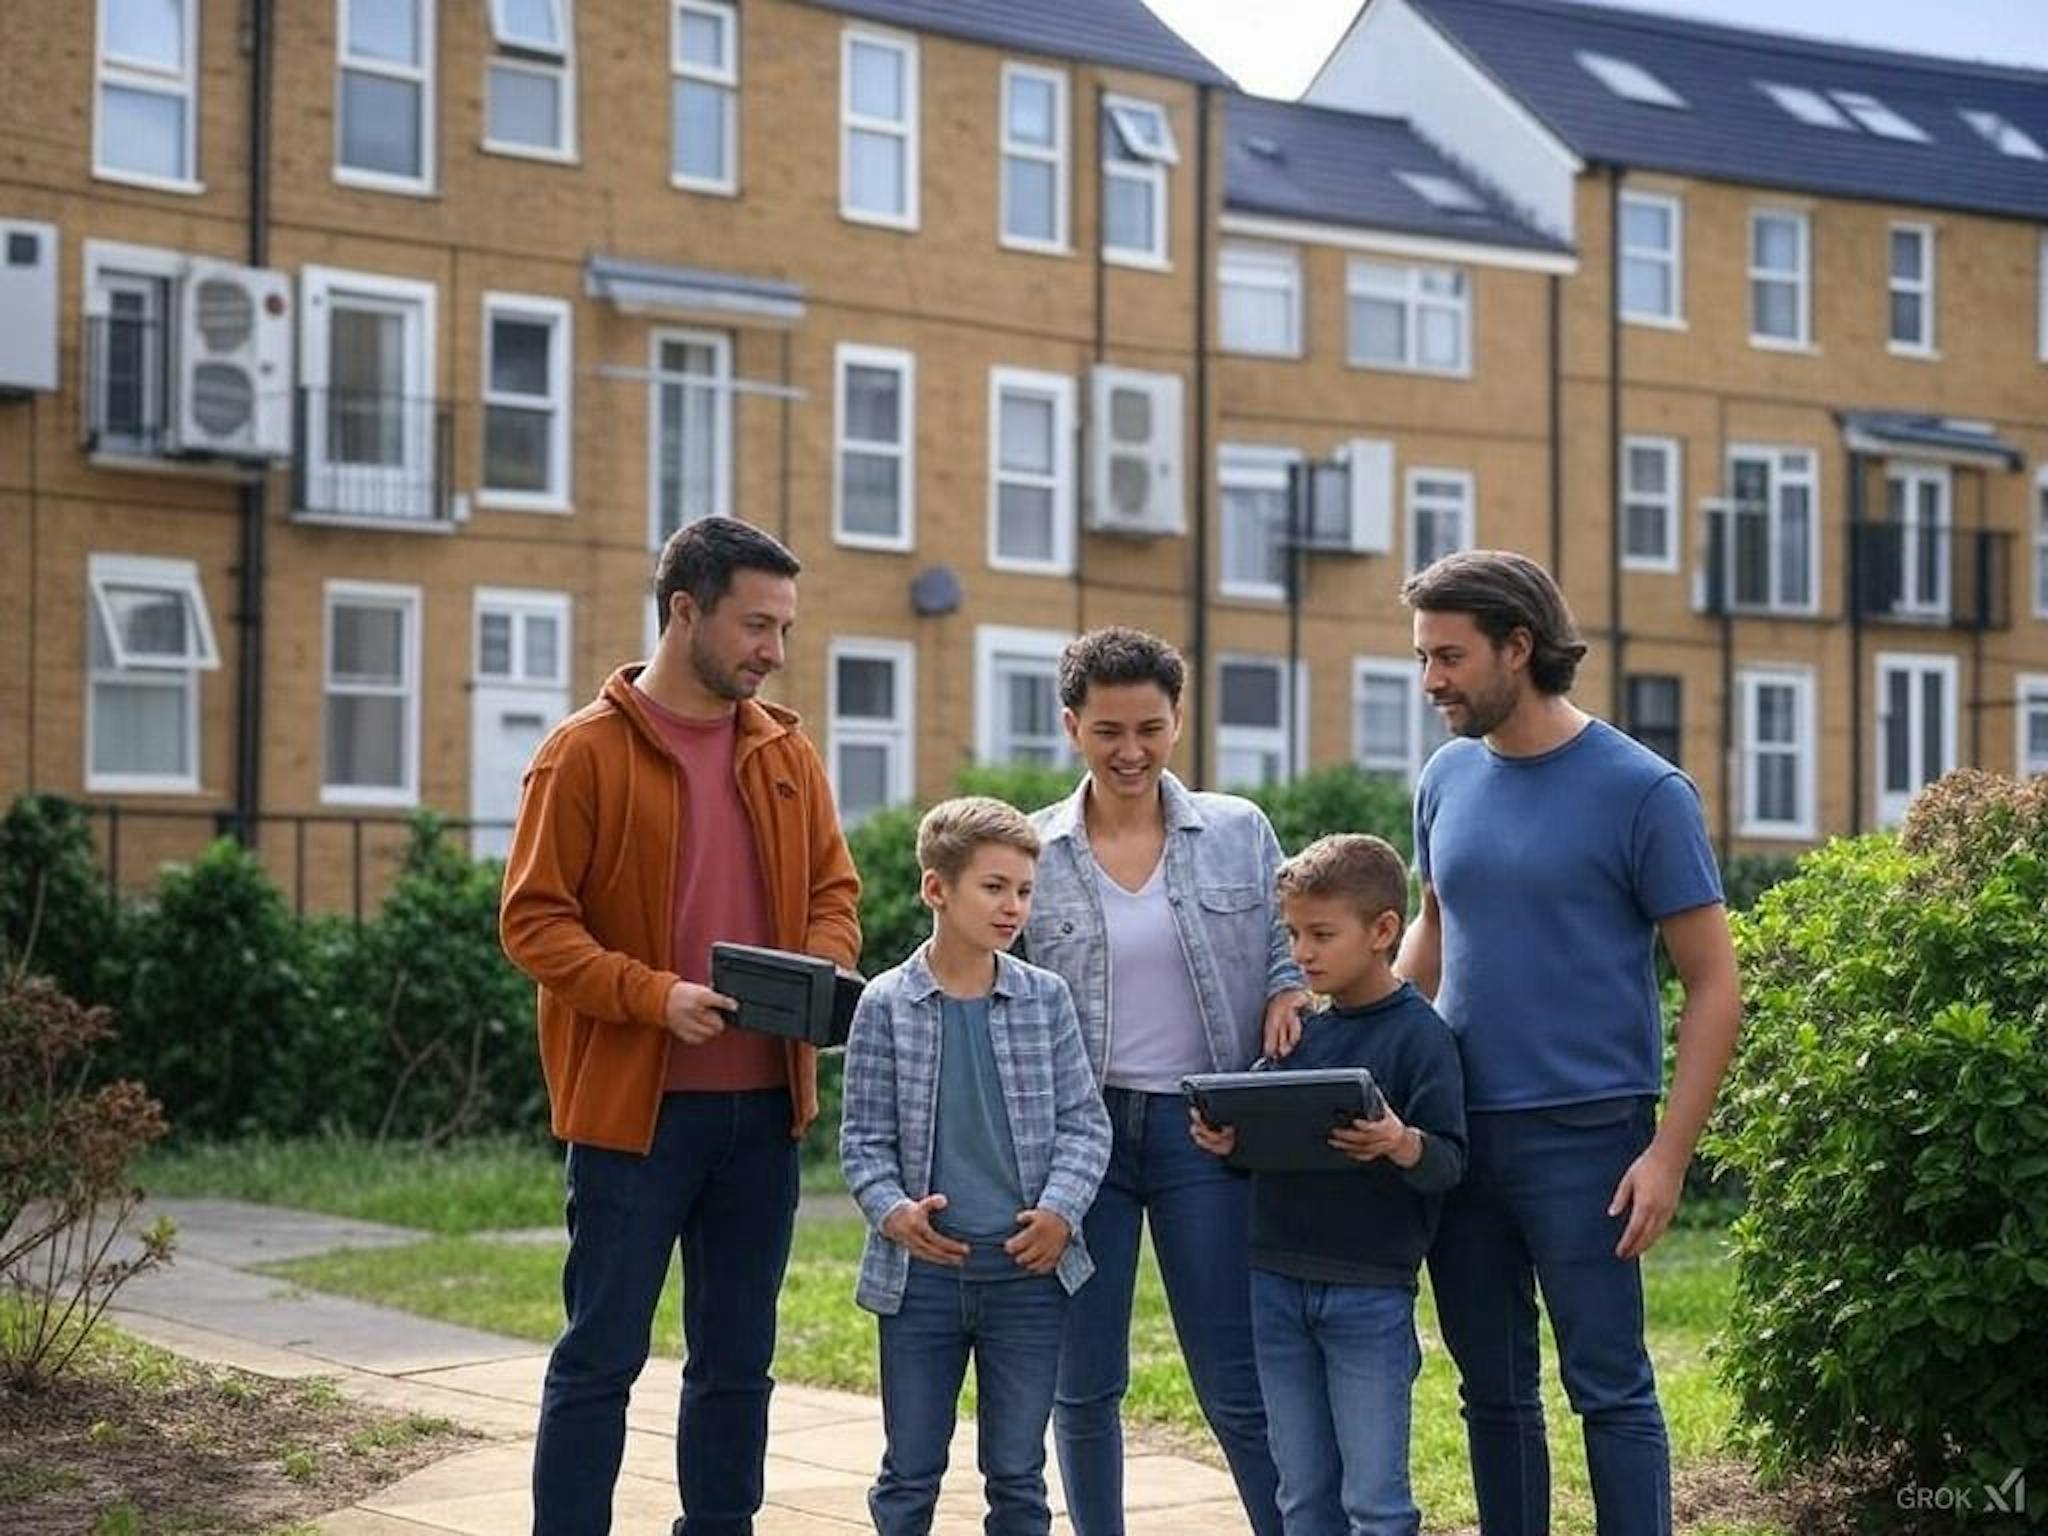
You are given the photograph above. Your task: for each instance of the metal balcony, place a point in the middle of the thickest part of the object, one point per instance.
(124, 364)
(1750, 567)
(372, 460)
(1933, 574)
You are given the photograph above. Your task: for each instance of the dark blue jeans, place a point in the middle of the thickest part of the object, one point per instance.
(1201, 1218)
(721, 1179)
(1338, 1364)
(1532, 1212)
(1012, 1329)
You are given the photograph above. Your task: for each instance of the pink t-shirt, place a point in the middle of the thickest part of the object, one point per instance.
(720, 895)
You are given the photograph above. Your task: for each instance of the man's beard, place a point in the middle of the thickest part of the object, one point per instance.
(726, 685)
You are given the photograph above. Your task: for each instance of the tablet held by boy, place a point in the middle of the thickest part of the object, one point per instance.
(973, 1138)
(1334, 1255)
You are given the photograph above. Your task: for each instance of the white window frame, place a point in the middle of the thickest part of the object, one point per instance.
(1778, 454)
(903, 364)
(1289, 739)
(722, 428)
(1891, 806)
(1271, 268)
(556, 314)
(1360, 282)
(1057, 156)
(1059, 387)
(182, 577)
(1805, 750)
(905, 132)
(408, 600)
(2039, 521)
(1922, 288)
(1801, 277)
(1416, 710)
(898, 736)
(1670, 502)
(1673, 258)
(1911, 476)
(1412, 500)
(151, 77)
(2030, 693)
(1250, 467)
(110, 265)
(421, 75)
(724, 79)
(1153, 173)
(528, 58)
(318, 288)
(996, 642)
(523, 605)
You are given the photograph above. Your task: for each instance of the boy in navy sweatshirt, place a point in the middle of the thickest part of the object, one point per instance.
(1334, 1255)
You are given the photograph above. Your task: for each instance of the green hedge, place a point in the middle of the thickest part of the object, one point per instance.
(1888, 1110)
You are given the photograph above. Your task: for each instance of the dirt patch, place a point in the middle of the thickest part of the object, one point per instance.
(135, 1442)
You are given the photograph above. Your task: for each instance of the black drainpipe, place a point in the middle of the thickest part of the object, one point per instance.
(1979, 541)
(249, 614)
(1556, 290)
(1854, 589)
(1617, 635)
(1198, 599)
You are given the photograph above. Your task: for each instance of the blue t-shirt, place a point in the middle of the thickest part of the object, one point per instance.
(974, 1155)
(1552, 873)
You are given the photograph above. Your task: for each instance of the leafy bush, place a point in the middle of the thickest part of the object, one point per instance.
(1746, 876)
(1889, 1112)
(224, 1017)
(57, 915)
(1340, 798)
(1027, 786)
(65, 1193)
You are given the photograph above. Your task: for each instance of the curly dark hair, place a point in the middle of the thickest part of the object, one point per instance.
(1119, 654)
(1504, 592)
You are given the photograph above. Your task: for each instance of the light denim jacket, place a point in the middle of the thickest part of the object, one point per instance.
(1221, 856)
(889, 1117)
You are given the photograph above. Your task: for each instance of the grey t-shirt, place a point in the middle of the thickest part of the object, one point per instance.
(974, 1157)
(1155, 1020)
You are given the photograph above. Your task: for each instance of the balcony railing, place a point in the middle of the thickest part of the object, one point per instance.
(1752, 566)
(126, 373)
(366, 457)
(1932, 573)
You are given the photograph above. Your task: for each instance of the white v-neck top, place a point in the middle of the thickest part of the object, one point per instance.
(1155, 1019)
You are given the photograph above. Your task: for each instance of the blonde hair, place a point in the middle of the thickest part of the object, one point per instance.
(953, 829)
(1352, 866)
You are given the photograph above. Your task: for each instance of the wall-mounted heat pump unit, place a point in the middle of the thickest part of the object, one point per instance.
(232, 367)
(28, 303)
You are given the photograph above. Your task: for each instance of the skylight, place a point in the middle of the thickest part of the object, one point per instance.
(1809, 106)
(2003, 134)
(1877, 117)
(1443, 192)
(1628, 80)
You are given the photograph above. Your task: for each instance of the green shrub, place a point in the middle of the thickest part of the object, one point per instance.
(1027, 786)
(222, 1016)
(1888, 1110)
(56, 912)
(1746, 876)
(1340, 798)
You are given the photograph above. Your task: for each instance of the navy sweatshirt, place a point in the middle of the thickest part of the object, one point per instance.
(1369, 1224)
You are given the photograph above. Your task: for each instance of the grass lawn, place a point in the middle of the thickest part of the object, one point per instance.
(474, 1187)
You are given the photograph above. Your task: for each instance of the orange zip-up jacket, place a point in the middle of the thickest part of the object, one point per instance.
(589, 905)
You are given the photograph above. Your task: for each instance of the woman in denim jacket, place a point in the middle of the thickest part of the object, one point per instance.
(1156, 904)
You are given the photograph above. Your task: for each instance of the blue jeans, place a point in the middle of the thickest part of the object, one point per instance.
(1337, 1364)
(721, 1178)
(1532, 1211)
(1012, 1328)
(1201, 1218)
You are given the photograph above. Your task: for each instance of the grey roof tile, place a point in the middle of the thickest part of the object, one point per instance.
(1119, 32)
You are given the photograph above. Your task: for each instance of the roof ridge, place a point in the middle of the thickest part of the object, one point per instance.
(1625, 18)
(1301, 104)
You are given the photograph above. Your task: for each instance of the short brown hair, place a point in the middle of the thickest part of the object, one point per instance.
(953, 829)
(1119, 654)
(1504, 592)
(1352, 866)
(701, 558)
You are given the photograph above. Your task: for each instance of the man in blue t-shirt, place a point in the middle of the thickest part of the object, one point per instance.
(1553, 851)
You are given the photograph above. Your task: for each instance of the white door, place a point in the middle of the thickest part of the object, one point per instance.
(1916, 728)
(521, 690)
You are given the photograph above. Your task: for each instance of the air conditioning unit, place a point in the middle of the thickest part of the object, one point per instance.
(28, 300)
(1135, 453)
(231, 387)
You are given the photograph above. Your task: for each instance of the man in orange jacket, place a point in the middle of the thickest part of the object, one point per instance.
(673, 811)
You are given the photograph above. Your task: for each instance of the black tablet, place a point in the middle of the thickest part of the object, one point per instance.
(1284, 1119)
(782, 993)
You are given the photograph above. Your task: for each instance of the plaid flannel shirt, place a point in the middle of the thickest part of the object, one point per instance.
(889, 1115)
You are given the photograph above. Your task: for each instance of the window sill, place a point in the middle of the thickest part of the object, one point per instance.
(368, 798)
(139, 784)
(1656, 322)
(1775, 832)
(1779, 344)
(433, 525)
(901, 223)
(1456, 374)
(176, 185)
(1285, 355)
(1917, 354)
(703, 187)
(371, 181)
(1137, 261)
(139, 462)
(516, 501)
(1259, 595)
(1031, 567)
(1649, 566)
(1035, 247)
(531, 152)
(874, 543)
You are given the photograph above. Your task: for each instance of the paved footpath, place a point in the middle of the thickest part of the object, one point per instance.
(823, 1446)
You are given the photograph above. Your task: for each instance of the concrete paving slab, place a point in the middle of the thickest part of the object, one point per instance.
(242, 1234)
(506, 1467)
(356, 1521)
